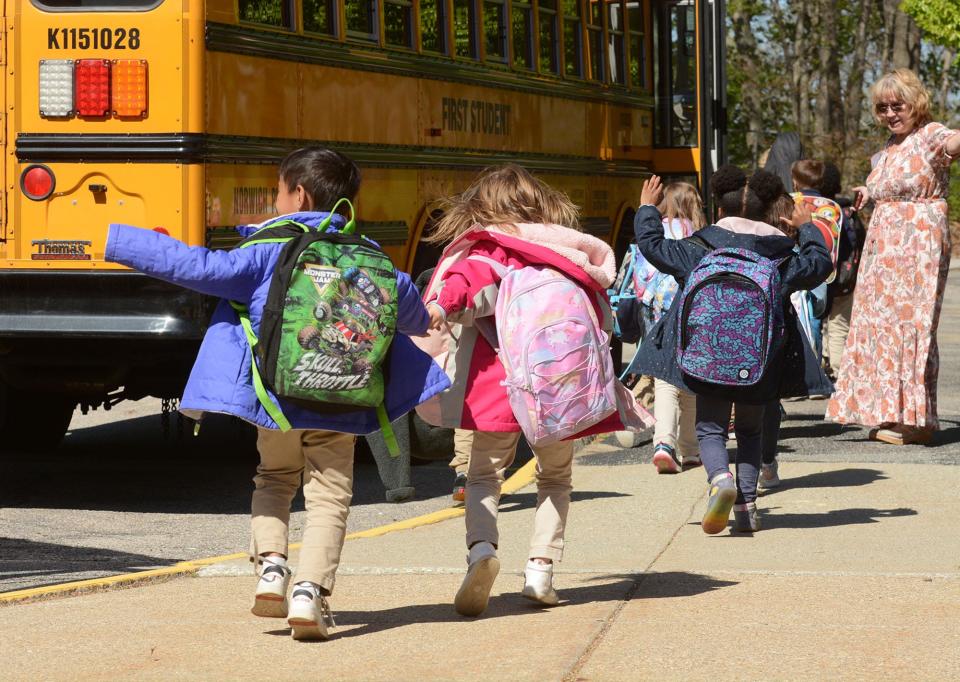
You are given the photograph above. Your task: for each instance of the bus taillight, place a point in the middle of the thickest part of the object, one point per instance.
(37, 182)
(92, 87)
(130, 87)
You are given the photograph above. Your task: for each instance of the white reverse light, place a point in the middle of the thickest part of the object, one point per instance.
(56, 88)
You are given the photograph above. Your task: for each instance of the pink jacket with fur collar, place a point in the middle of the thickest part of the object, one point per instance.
(467, 288)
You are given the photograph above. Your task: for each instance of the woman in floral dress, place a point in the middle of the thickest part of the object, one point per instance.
(888, 375)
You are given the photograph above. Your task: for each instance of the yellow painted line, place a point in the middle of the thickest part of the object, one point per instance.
(520, 479)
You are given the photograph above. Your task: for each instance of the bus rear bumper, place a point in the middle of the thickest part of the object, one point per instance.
(87, 334)
(99, 305)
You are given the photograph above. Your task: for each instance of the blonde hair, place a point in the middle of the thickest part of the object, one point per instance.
(503, 196)
(903, 85)
(682, 200)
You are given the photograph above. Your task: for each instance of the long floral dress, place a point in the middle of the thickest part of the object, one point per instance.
(891, 360)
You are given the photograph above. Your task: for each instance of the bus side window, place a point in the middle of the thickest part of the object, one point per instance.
(595, 39)
(522, 25)
(615, 45)
(433, 26)
(572, 39)
(277, 13)
(398, 23)
(465, 28)
(362, 20)
(319, 16)
(495, 30)
(638, 56)
(547, 28)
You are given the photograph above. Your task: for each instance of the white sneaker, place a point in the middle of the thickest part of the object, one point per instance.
(310, 615)
(538, 583)
(270, 598)
(769, 477)
(474, 592)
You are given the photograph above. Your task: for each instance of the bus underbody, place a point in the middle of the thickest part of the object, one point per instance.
(89, 339)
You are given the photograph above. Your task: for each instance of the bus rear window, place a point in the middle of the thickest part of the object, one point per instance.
(96, 5)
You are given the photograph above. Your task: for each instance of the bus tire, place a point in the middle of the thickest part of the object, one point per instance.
(34, 422)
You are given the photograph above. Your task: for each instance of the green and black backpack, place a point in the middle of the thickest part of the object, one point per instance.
(328, 322)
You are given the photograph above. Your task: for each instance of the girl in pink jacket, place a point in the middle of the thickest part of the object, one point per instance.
(509, 219)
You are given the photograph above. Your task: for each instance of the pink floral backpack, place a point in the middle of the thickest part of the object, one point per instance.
(560, 376)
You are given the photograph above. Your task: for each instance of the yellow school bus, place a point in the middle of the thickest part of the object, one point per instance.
(173, 116)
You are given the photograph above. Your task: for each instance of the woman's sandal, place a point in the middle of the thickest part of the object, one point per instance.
(902, 435)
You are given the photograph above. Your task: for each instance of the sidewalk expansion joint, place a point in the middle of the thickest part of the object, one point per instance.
(574, 673)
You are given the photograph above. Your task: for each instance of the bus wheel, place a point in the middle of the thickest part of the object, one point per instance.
(34, 422)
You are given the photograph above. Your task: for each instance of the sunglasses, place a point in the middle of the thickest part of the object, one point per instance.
(897, 108)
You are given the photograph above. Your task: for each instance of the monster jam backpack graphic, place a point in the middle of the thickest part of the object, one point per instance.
(731, 319)
(328, 321)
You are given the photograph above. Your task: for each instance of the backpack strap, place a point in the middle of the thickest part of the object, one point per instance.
(271, 407)
(699, 241)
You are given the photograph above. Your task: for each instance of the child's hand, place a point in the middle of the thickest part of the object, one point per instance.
(437, 316)
(652, 191)
(802, 214)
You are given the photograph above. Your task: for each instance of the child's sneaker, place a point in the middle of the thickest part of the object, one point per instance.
(745, 517)
(690, 462)
(310, 616)
(769, 477)
(460, 488)
(723, 493)
(474, 592)
(665, 459)
(538, 583)
(270, 598)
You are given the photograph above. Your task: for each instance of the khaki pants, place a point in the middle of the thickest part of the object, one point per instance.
(462, 442)
(490, 455)
(323, 462)
(676, 413)
(838, 327)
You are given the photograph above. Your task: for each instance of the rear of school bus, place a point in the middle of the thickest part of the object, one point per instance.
(101, 111)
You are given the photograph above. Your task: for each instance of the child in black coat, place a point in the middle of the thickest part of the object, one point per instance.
(744, 207)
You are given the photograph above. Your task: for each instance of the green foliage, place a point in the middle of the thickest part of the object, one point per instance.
(268, 12)
(939, 20)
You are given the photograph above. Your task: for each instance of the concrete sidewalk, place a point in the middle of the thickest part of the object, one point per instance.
(856, 575)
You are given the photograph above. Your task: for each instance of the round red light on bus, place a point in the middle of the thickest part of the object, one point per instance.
(37, 182)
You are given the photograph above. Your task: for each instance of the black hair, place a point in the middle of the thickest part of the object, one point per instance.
(742, 197)
(832, 182)
(325, 174)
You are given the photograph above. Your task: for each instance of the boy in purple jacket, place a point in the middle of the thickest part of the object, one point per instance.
(318, 450)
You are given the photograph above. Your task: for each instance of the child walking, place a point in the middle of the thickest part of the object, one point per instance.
(674, 437)
(317, 451)
(791, 370)
(509, 219)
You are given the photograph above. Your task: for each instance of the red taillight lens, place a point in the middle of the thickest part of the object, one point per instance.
(37, 182)
(162, 230)
(92, 87)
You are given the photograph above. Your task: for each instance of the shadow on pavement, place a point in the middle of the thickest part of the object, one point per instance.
(842, 478)
(632, 586)
(129, 466)
(521, 501)
(46, 559)
(835, 517)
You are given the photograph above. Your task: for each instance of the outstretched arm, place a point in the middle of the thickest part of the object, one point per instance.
(233, 274)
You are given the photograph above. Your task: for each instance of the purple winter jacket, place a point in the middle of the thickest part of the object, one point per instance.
(221, 379)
